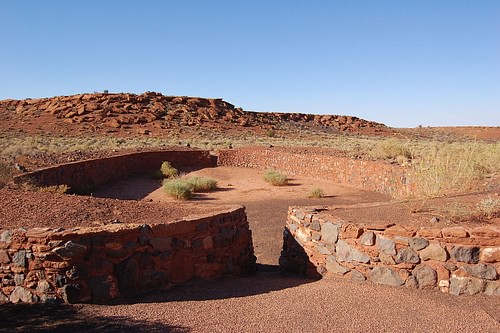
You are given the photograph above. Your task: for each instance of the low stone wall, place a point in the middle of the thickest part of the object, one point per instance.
(455, 260)
(101, 264)
(83, 176)
(370, 175)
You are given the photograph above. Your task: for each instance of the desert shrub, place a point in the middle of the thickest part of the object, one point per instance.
(489, 207)
(275, 178)
(5, 173)
(201, 184)
(390, 149)
(53, 189)
(450, 168)
(317, 193)
(177, 188)
(167, 170)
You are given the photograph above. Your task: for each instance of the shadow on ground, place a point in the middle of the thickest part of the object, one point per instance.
(268, 279)
(68, 318)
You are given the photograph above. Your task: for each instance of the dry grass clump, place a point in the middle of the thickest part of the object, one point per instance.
(201, 184)
(178, 189)
(317, 193)
(489, 207)
(275, 178)
(451, 168)
(183, 188)
(167, 170)
(53, 189)
(390, 149)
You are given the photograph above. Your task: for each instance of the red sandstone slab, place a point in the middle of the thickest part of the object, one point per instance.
(457, 232)
(379, 226)
(430, 232)
(486, 231)
(398, 230)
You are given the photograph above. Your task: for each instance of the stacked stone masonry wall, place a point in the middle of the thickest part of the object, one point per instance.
(454, 260)
(370, 175)
(82, 176)
(101, 264)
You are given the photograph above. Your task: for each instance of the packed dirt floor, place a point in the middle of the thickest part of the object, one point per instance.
(266, 302)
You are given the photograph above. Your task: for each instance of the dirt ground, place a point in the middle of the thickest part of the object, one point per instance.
(265, 302)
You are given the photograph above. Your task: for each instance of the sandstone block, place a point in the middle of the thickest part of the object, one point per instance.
(430, 232)
(386, 276)
(456, 232)
(399, 231)
(386, 259)
(386, 245)
(488, 254)
(426, 276)
(346, 252)
(486, 231)
(330, 232)
(433, 252)
(334, 267)
(350, 231)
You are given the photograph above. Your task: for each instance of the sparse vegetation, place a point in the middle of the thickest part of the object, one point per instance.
(177, 188)
(201, 184)
(489, 207)
(168, 171)
(275, 178)
(317, 193)
(5, 173)
(390, 149)
(53, 189)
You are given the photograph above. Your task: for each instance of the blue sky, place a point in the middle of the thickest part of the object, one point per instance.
(402, 63)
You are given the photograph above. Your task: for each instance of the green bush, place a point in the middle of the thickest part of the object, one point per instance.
(317, 193)
(201, 184)
(167, 170)
(177, 188)
(275, 178)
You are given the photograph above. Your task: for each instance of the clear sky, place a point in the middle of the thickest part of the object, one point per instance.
(402, 63)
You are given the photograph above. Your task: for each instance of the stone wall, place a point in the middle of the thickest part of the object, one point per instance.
(83, 176)
(101, 264)
(455, 260)
(370, 175)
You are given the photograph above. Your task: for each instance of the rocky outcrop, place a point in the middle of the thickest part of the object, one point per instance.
(114, 111)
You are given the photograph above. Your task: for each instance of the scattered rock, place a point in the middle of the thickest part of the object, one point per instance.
(465, 254)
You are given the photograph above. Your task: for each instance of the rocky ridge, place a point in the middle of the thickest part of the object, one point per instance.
(151, 112)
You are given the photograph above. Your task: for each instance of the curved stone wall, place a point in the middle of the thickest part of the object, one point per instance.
(83, 176)
(455, 260)
(101, 264)
(370, 175)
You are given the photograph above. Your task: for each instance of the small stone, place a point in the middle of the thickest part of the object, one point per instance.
(386, 245)
(492, 288)
(315, 225)
(433, 252)
(482, 271)
(4, 257)
(20, 294)
(43, 287)
(475, 286)
(3, 297)
(330, 232)
(71, 250)
(418, 243)
(350, 231)
(334, 267)
(465, 254)
(345, 252)
(386, 276)
(367, 239)
(490, 254)
(19, 258)
(458, 285)
(406, 255)
(19, 279)
(411, 282)
(357, 276)
(434, 219)
(426, 276)
(6, 236)
(386, 259)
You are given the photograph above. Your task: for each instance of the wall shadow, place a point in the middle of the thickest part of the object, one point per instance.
(268, 278)
(64, 318)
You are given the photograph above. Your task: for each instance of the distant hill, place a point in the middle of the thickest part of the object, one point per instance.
(154, 113)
